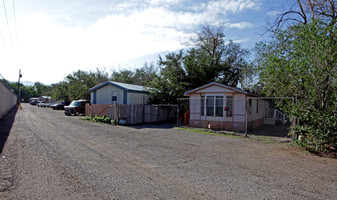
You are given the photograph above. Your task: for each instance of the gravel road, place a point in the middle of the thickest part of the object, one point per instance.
(48, 155)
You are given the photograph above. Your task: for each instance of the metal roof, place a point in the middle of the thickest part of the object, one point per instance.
(124, 86)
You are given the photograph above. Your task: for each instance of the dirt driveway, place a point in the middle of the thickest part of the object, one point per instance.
(48, 155)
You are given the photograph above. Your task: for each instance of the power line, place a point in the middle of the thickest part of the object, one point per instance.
(9, 32)
(16, 29)
(2, 37)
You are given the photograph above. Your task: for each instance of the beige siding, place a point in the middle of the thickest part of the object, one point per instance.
(239, 104)
(137, 98)
(261, 108)
(195, 105)
(104, 95)
(214, 89)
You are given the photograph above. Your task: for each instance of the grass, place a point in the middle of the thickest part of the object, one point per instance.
(208, 132)
(266, 139)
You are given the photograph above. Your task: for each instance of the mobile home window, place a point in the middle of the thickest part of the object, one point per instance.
(202, 102)
(219, 106)
(249, 106)
(257, 106)
(229, 105)
(210, 106)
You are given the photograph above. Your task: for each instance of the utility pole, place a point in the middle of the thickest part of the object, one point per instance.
(19, 97)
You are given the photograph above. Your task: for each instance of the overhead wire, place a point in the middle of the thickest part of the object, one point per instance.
(2, 37)
(16, 29)
(9, 32)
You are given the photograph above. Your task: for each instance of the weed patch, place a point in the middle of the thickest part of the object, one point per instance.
(103, 119)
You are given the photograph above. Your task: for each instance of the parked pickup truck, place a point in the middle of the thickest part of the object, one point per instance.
(76, 107)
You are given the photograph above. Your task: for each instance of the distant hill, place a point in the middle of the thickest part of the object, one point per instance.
(27, 83)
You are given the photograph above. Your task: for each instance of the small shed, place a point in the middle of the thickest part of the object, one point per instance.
(111, 92)
(218, 106)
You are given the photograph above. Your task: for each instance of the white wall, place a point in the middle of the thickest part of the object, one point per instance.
(214, 89)
(104, 95)
(137, 98)
(238, 105)
(260, 114)
(7, 100)
(195, 106)
(239, 108)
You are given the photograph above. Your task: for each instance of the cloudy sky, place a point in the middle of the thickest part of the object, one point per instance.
(49, 39)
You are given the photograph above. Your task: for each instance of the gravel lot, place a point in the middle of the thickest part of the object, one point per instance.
(48, 155)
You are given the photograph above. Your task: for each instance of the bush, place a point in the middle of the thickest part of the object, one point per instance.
(102, 119)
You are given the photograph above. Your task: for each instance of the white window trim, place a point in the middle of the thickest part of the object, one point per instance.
(216, 118)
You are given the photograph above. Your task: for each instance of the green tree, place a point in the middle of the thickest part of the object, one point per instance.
(171, 82)
(210, 59)
(26, 92)
(79, 83)
(76, 85)
(301, 62)
(42, 89)
(141, 76)
(60, 91)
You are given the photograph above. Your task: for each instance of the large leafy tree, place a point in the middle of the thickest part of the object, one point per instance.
(171, 83)
(26, 92)
(76, 85)
(140, 76)
(210, 59)
(301, 62)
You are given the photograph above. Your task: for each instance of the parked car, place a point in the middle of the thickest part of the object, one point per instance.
(33, 103)
(48, 105)
(76, 107)
(41, 104)
(58, 106)
(44, 105)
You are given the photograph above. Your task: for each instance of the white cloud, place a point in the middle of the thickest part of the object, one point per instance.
(273, 13)
(240, 25)
(112, 39)
(234, 6)
(246, 39)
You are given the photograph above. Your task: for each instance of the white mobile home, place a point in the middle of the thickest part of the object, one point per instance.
(111, 92)
(218, 106)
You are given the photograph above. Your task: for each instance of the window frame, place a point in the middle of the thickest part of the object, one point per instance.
(229, 99)
(202, 106)
(220, 114)
(210, 105)
(210, 108)
(250, 106)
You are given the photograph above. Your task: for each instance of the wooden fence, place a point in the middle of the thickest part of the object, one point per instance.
(134, 114)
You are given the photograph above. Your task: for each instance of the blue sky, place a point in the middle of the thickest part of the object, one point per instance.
(53, 38)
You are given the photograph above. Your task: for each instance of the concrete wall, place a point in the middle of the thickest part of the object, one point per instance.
(7, 100)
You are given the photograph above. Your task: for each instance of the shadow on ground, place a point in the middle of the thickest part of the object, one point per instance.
(270, 130)
(6, 123)
(154, 125)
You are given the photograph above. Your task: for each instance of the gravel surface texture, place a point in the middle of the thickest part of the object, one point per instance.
(48, 155)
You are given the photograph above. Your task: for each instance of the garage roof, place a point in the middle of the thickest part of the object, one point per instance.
(123, 86)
